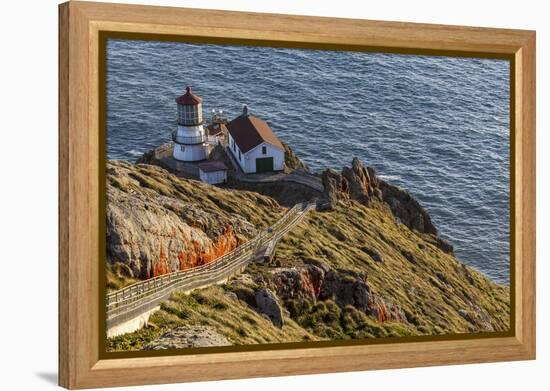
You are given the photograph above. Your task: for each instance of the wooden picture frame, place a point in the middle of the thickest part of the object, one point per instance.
(81, 364)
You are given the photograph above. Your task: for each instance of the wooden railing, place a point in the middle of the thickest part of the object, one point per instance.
(138, 298)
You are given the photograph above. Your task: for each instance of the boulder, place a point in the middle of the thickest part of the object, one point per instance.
(188, 337)
(346, 289)
(268, 304)
(375, 255)
(316, 262)
(243, 287)
(289, 284)
(231, 296)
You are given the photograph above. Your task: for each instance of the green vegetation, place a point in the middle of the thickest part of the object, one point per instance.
(430, 286)
(118, 277)
(153, 181)
(212, 306)
(431, 290)
(329, 321)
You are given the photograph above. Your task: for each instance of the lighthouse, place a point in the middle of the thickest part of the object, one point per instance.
(189, 138)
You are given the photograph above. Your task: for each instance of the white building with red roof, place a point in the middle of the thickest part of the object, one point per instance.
(254, 145)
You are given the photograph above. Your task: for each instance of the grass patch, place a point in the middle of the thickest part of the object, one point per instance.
(237, 321)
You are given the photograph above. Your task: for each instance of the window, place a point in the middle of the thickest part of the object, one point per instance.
(189, 115)
(233, 142)
(239, 155)
(182, 148)
(264, 150)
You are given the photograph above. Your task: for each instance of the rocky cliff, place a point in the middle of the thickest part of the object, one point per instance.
(360, 183)
(369, 265)
(158, 223)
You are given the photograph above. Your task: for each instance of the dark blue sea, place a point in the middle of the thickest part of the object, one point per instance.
(437, 126)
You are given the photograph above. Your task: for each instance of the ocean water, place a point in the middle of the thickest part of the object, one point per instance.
(436, 126)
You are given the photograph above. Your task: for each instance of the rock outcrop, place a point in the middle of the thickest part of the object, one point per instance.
(292, 161)
(154, 228)
(361, 184)
(317, 281)
(303, 283)
(407, 209)
(155, 155)
(336, 187)
(346, 289)
(188, 337)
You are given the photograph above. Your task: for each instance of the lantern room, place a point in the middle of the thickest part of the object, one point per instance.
(189, 109)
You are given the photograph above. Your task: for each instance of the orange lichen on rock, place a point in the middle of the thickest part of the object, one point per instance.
(381, 313)
(161, 267)
(379, 310)
(197, 254)
(310, 285)
(226, 242)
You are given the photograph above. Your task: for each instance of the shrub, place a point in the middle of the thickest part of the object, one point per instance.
(249, 319)
(200, 298)
(298, 308)
(219, 305)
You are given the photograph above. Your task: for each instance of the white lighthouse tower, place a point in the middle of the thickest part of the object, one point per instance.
(189, 138)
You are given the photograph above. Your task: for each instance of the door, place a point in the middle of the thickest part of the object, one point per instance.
(264, 164)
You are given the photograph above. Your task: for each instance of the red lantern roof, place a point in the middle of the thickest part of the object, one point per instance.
(188, 98)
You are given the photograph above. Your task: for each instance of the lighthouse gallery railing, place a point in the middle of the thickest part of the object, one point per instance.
(188, 140)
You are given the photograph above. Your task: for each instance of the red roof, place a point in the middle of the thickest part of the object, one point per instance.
(215, 128)
(188, 98)
(212, 165)
(249, 131)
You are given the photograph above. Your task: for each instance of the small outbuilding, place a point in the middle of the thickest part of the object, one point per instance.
(254, 145)
(213, 172)
(216, 132)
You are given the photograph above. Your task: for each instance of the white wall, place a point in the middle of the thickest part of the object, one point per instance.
(189, 152)
(29, 197)
(235, 150)
(250, 157)
(213, 177)
(248, 160)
